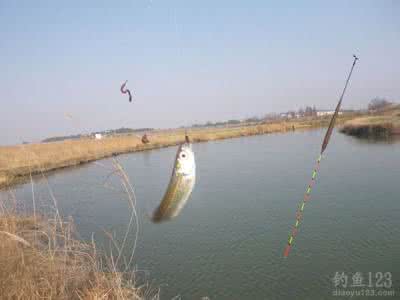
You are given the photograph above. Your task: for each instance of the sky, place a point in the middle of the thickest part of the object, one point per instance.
(62, 62)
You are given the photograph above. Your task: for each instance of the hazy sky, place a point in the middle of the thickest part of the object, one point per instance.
(186, 61)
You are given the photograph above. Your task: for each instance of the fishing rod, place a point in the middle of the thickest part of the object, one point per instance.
(300, 209)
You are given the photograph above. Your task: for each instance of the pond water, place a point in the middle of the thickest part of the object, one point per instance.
(229, 239)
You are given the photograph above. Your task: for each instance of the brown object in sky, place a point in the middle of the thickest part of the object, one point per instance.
(126, 91)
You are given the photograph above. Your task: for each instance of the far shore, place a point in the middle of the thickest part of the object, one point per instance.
(380, 124)
(19, 162)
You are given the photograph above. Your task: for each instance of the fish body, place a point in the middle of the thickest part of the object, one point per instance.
(180, 185)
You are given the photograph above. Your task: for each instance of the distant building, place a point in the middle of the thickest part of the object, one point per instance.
(284, 115)
(98, 136)
(322, 113)
(288, 115)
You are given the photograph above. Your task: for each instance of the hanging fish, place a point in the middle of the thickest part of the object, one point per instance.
(126, 91)
(180, 186)
(306, 198)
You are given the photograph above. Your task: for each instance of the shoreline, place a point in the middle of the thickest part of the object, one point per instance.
(379, 125)
(373, 131)
(17, 163)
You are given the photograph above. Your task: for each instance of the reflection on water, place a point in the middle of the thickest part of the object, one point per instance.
(228, 241)
(393, 139)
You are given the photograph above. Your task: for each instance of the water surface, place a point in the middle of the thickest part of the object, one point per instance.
(229, 239)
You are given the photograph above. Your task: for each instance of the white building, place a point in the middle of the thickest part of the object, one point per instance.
(322, 113)
(98, 136)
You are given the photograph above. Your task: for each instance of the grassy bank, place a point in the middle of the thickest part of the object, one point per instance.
(17, 162)
(381, 124)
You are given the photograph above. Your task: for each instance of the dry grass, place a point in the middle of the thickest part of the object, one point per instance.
(40, 258)
(20, 161)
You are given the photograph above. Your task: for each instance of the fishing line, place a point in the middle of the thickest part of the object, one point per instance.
(180, 54)
(129, 191)
(177, 33)
(300, 209)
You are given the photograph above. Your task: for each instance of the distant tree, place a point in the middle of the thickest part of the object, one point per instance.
(252, 119)
(301, 112)
(378, 103)
(314, 110)
(233, 122)
(309, 111)
(271, 116)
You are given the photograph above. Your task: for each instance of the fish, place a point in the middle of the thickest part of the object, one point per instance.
(180, 186)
